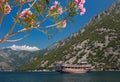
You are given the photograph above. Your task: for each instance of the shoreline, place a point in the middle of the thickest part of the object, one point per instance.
(56, 71)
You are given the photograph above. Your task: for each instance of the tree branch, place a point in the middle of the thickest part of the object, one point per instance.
(16, 5)
(20, 31)
(1, 19)
(47, 16)
(11, 29)
(32, 4)
(36, 25)
(9, 34)
(52, 25)
(17, 39)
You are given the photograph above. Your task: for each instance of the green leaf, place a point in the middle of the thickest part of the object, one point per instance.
(71, 5)
(72, 13)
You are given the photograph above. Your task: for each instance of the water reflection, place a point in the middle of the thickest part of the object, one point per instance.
(91, 77)
(57, 77)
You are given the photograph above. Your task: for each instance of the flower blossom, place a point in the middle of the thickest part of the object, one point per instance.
(7, 8)
(79, 4)
(27, 16)
(82, 2)
(82, 11)
(2, 1)
(56, 3)
(76, 1)
(79, 1)
(54, 6)
(60, 11)
(24, 13)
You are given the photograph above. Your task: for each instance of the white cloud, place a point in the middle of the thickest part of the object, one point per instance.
(24, 47)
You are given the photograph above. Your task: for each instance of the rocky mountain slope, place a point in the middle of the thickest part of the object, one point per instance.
(12, 60)
(98, 42)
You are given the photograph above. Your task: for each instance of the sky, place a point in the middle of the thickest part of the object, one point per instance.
(38, 40)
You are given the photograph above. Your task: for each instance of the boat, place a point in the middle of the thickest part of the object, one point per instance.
(82, 67)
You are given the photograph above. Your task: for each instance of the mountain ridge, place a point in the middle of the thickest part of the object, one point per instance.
(11, 60)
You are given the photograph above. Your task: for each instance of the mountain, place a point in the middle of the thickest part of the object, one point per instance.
(98, 42)
(12, 60)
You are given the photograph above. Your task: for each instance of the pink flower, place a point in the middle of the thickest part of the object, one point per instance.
(24, 13)
(60, 11)
(82, 1)
(2, 0)
(80, 6)
(76, 1)
(52, 7)
(82, 11)
(7, 8)
(56, 3)
(64, 24)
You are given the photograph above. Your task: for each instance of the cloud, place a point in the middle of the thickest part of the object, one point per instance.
(24, 47)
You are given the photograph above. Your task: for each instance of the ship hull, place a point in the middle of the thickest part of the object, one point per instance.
(73, 71)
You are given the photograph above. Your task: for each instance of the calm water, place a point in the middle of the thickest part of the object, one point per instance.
(57, 77)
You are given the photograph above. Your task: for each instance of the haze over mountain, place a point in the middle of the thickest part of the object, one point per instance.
(13, 59)
(98, 42)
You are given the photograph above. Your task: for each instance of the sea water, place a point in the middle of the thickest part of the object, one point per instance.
(58, 77)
